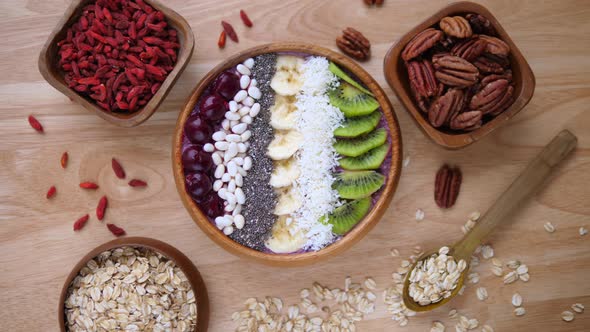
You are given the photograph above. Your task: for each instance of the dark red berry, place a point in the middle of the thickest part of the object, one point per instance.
(197, 130)
(227, 85)
(198, 184)
(194, 159)
(213, 107)
(212, 205)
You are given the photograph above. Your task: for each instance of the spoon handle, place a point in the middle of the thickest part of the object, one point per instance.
(526, 184)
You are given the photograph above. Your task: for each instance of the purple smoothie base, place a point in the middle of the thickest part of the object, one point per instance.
(384, 169)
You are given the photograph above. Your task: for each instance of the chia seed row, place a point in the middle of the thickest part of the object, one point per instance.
(260, 196)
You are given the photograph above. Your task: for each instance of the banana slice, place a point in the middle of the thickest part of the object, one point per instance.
(284, 145)
(285, 238)
(283, 114)
(285, 172)
(287, 80)
(288, 201)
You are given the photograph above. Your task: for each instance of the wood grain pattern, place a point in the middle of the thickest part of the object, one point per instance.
(361, 229)
(396, 74)
(39, 248)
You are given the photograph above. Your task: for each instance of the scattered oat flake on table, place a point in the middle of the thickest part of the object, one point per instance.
(516, 300)
(520, 311)
(81, 222)
(510, 277)
(117, 168)
(419, 215)
(549, 227)
(583, 231)
(406, 161)
(567, 316)
(487, 328)
(35, 124)
(88, 185)
(51, 192)
(578, 307)
(437, 327)
(474, 216)
(64, 160)
(497, 271)
(394, 252)
(482, 293)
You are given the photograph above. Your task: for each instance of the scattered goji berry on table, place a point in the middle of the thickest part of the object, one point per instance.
(80, 223)
(51, 192)
(229, 30)
(35, 124)
(137, 183)
(64, 160)
(221, 41)
(101, 208)
(245, 19)
(118, 169)
(117, 231)
(88, 185)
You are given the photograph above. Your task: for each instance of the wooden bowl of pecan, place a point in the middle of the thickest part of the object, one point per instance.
(459, 75)
(118, 59)
(122, 282)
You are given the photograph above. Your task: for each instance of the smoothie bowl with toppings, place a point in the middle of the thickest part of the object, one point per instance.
(287, 153)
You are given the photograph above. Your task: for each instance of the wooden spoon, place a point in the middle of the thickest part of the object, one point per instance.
(526, 184)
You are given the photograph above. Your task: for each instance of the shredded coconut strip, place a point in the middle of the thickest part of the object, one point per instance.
(316, 158)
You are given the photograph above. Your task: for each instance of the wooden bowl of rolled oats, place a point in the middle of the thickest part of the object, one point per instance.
(134, 284)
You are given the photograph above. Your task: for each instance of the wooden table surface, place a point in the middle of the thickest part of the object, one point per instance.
(38, 247)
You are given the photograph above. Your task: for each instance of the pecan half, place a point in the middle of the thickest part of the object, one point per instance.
(480, 24)
(496, 46)
(493, 98)
(374, 2)
(489, 63)
(447, 185)
(421, 42)
(456, 26)
(467, 121)
(469, 49)
(455, 71)
(507, 75)
(354, 44)
(422, 79)
(444, 108)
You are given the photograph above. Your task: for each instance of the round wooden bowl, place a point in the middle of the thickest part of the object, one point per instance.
(360, 230)
(183, 262)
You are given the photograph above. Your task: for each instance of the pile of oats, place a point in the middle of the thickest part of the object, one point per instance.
(435, 277)
(130, 289)
(321, 309)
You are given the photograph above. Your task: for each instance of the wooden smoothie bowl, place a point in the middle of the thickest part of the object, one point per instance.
(183, 262)
(397, 77)
(50, 70)
(360, 230)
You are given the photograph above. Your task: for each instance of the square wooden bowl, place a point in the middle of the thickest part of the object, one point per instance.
(48, 64)
(397, 77)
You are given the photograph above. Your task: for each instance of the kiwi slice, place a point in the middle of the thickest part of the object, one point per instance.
(356, 146)
(352, 101)
(370, 160)
(344, 217)
(358, 184)
(340, 73)
(353, 127)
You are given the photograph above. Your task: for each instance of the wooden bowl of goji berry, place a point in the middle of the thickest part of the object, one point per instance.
(117, 58)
